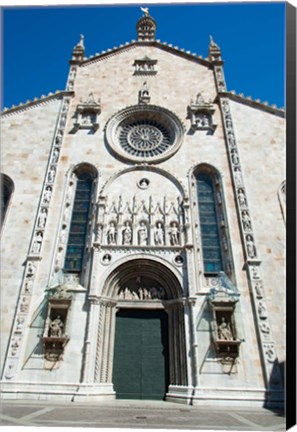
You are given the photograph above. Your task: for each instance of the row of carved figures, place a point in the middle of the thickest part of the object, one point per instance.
(140, 234)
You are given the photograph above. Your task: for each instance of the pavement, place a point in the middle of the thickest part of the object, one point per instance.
(123, 414)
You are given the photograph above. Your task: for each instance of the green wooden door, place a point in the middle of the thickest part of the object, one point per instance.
(140, 368)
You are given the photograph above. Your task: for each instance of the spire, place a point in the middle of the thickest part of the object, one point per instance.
(214, 51)
(78, 52)
(146, 26)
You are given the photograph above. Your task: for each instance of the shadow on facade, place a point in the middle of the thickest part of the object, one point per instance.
(35, 350)
(275, 396)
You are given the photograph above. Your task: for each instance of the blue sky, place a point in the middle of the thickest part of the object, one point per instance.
(37, 42)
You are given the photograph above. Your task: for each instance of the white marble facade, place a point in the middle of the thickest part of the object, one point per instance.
(142, 144)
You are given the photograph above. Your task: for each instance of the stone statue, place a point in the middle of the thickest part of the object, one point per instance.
(241, 198)
(42, 218)
(37, 243)
(31, 269)
(127, 234)
(224, 330)
(237, 176)
(174, 235)
(262, 311)
(234, 157)
(28, 285)
(259, 289)
(251, 248)
(56, 327)
(47, 195)
(255, 273)
(159, 234)
(51, 174)
(111, 234)
(246, 222)
(55, 155)
(142, 234)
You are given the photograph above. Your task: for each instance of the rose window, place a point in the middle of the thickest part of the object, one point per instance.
(145, 139)
(146, 133)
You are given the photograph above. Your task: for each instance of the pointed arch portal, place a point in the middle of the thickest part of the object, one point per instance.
(141, 334)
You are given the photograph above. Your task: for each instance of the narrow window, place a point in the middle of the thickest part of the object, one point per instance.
(7, 188)
(211, 244)
(79, 223)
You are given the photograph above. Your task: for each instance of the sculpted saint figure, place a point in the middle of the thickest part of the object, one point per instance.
(127, 234)
(56, 327)
(159, 234)
(224, 330)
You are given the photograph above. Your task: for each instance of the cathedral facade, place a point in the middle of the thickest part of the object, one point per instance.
(143, 234)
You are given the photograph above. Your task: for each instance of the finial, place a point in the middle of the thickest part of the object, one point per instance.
(145, 10)
(212, 43)
(81, 42)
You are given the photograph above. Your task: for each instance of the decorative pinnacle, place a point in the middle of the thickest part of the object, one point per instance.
(81, 42)
(212, 43)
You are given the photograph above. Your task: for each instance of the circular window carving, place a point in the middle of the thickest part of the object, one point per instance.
(144, 133)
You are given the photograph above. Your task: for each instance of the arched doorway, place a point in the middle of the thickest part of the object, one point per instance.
(141, 332)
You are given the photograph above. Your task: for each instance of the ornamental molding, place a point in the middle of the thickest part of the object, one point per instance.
(145, 167)
(144, 133)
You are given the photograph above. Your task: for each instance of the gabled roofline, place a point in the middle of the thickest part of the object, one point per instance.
(271, 109)
(59, 94)
(157, 43)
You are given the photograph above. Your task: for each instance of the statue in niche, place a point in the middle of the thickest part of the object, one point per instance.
(199, 99)
(159, 234)
(224, 330)
(42, 218)
(251, 248)
(238, 176)
(66, 213)
(226, 108)
(37, 243)
(246, 222)
(228, 123)
(264, 327)
(20, 322)
(69, 191)
(47, 195)
(56, 327)
(205, 120)
(59, 137)
(24, 305)
(262, 311)
(55, 156)
(142, 234)
(111, 234)
(127, 234)
(270, 353)
(241, 198)
(259, 289)
(231, 139)
(31, 269)
(234, 157)
(255, 273)
(28, 286)
(174, 234)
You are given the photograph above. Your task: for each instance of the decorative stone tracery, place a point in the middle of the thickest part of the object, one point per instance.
(144, 132)
(35, 249)
(253, 263)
